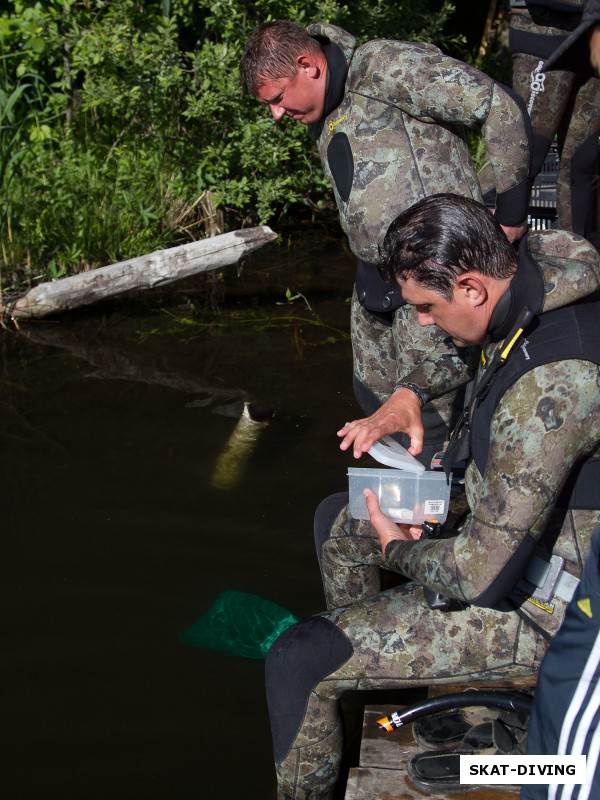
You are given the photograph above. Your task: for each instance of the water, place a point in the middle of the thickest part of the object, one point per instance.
(116, 538)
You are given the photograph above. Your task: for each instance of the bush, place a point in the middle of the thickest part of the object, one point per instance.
(116, 117)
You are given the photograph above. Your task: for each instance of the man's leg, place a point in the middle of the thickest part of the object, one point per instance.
(578, 173)
(546, 96)
(561, 103)
(388, 641)
(349, 555)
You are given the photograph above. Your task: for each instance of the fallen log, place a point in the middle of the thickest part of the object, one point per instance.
(145, 272)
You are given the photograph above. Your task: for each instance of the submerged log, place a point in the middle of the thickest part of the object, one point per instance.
(145, 272)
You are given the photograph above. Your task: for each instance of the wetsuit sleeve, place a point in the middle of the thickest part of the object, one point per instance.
(511, 162)
(445, 369)
(432, 87)
(544, 424)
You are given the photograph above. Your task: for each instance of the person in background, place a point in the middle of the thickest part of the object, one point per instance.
(563, 103)
(580, 51)
(532, 439)
(388, 119)
(566, 704)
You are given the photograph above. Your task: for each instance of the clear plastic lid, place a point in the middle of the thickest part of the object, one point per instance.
(389, 452)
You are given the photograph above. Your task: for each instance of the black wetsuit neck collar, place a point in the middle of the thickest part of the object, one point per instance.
(526, 290)
(337, 71)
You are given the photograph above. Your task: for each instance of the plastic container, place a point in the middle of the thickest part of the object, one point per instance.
(410, 494)
(389, 452)
(409, 497)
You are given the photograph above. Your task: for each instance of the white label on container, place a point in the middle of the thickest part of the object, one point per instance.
(434, 506)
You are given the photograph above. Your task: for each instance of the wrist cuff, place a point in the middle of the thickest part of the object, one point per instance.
(422, 397)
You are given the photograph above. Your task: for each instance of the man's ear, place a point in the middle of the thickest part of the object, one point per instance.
(472, 288)
(308, 64)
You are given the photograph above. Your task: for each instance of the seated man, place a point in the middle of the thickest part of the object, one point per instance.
(533, 428)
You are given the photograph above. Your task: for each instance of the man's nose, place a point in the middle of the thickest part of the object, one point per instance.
(277, 112)
(424, 319)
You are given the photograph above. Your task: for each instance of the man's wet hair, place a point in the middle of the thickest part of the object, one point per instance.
(271, 52)
(443, 236)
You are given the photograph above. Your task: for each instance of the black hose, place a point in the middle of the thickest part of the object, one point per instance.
(493, 698)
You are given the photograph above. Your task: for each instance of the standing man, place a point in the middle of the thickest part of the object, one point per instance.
(562, 103)
(388, 119)
(533, 432)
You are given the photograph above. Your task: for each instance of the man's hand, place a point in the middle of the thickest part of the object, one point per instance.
(387, 530)
(401, 413)
(595, 48)
(514, 232)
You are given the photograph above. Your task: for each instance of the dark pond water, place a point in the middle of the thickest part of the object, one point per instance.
(118, 531)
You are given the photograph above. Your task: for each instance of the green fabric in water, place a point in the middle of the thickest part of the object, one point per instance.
(240, 624)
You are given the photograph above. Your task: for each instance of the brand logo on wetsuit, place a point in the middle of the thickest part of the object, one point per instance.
(537, 84)
(333, 123)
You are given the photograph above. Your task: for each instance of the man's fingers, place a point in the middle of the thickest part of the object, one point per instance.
(373, 505)
(348, 433)
(416, 445)
(360, 433)
(364, 441)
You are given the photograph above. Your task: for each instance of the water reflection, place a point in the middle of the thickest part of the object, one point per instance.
(114, 361)
(116, 537)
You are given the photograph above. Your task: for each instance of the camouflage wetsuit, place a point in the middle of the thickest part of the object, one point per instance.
(545, 426)
(393, 133)
(559, 102)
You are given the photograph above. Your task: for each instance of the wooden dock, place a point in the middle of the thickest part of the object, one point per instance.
(382, 770)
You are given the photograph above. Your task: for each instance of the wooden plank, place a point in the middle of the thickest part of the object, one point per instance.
(522, 682)
(382, 771)
(146, 272)
(368, 783)
(380, 748)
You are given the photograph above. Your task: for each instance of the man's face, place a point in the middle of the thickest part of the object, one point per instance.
(301, 97)
(456, 317)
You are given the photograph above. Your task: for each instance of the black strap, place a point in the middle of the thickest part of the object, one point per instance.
(459, 446)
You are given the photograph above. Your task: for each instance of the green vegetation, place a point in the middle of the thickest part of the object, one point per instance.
(116, 117)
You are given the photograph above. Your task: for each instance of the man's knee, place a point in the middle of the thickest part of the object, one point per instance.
(299, 659)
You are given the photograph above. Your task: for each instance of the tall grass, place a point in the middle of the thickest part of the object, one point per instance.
(82, 207)
(17, 131)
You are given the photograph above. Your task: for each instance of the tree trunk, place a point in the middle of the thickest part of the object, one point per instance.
(495, 16)
(146, 272)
